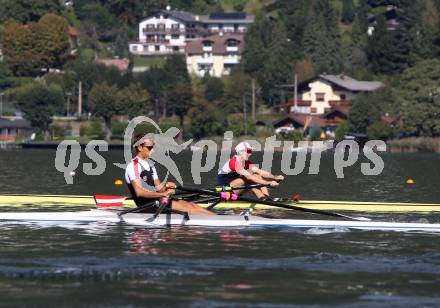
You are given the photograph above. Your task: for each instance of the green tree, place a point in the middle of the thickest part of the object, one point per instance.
(103, 102)
(321, 41)
(238, 88)
(210, 122)
(25, 11)
(52, 41)
(121, 46)
(39, 103)
(341, 131)
(134, 100)
(19, 49)
(347, 11)
(293, 14)
(380, 50)
(418, 99)
(214, 89)
(366, 110)
(379, 131)
(362, 15)
(267, 56)
(180, 98)
(315, 132)
(5, 77)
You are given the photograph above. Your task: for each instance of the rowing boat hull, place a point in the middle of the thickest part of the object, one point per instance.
(147, 220)
(73, 200)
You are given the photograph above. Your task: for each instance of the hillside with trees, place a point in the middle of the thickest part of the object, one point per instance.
(304, 37)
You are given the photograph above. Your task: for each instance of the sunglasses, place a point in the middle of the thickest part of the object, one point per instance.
(149, 147)
(249, 151)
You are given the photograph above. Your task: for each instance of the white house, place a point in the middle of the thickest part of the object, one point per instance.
(168, 31)
(324, 92)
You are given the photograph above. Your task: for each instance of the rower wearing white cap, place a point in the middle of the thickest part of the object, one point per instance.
(240, 171)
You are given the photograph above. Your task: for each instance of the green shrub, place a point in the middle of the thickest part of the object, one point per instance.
(237, 126)
(58, 131)
(118, 129)
(341, 131)
(91, 129)
(379, 131)
(294, 135)
(315, 132)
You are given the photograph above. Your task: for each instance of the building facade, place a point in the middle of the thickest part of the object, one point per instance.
(168, 31)
(215, 55)
(320, 94)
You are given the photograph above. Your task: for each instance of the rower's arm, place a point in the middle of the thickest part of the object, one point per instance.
(252, 177)
(144, 193)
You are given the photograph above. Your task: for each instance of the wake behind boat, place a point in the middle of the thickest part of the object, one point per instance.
(221, 221)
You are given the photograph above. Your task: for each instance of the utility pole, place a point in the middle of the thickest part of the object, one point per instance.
(79, 99)
(295, 92)
(245, 116)
(68, 103)
(1, 104)
(253, 99)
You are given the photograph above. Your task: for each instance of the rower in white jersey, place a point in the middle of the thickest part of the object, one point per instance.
(239, 171)
(144, 184)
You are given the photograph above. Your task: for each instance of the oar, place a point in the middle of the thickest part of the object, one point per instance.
(273, 203)
(250, 186)
(137, 209)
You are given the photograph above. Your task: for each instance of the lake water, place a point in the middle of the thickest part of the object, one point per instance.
(102, 265)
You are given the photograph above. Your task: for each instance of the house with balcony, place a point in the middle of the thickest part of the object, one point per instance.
(320, 94)
(168, 31)
(215, 55)
(323, 100)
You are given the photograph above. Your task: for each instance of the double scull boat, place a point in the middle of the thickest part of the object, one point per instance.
(74, 200)
(148, 220)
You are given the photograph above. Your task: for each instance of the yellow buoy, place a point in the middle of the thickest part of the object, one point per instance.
(410, 181)
(119, 182)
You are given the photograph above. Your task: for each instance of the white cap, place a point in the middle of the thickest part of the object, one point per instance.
(243, 146)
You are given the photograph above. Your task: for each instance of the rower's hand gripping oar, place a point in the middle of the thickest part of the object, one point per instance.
(230, 196)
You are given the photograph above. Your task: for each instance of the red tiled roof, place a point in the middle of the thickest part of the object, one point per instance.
(72, 31)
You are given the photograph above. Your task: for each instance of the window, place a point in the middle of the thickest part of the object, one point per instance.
(175, 36)
(220, 26)
(313, 110)
(320, 97)
(231, 43)
(157, 48)
(134, 48)
(175, 48)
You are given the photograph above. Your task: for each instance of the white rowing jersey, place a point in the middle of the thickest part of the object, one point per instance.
(140, 169)
(234, 164)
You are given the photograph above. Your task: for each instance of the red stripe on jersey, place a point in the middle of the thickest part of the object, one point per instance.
(135, 166)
